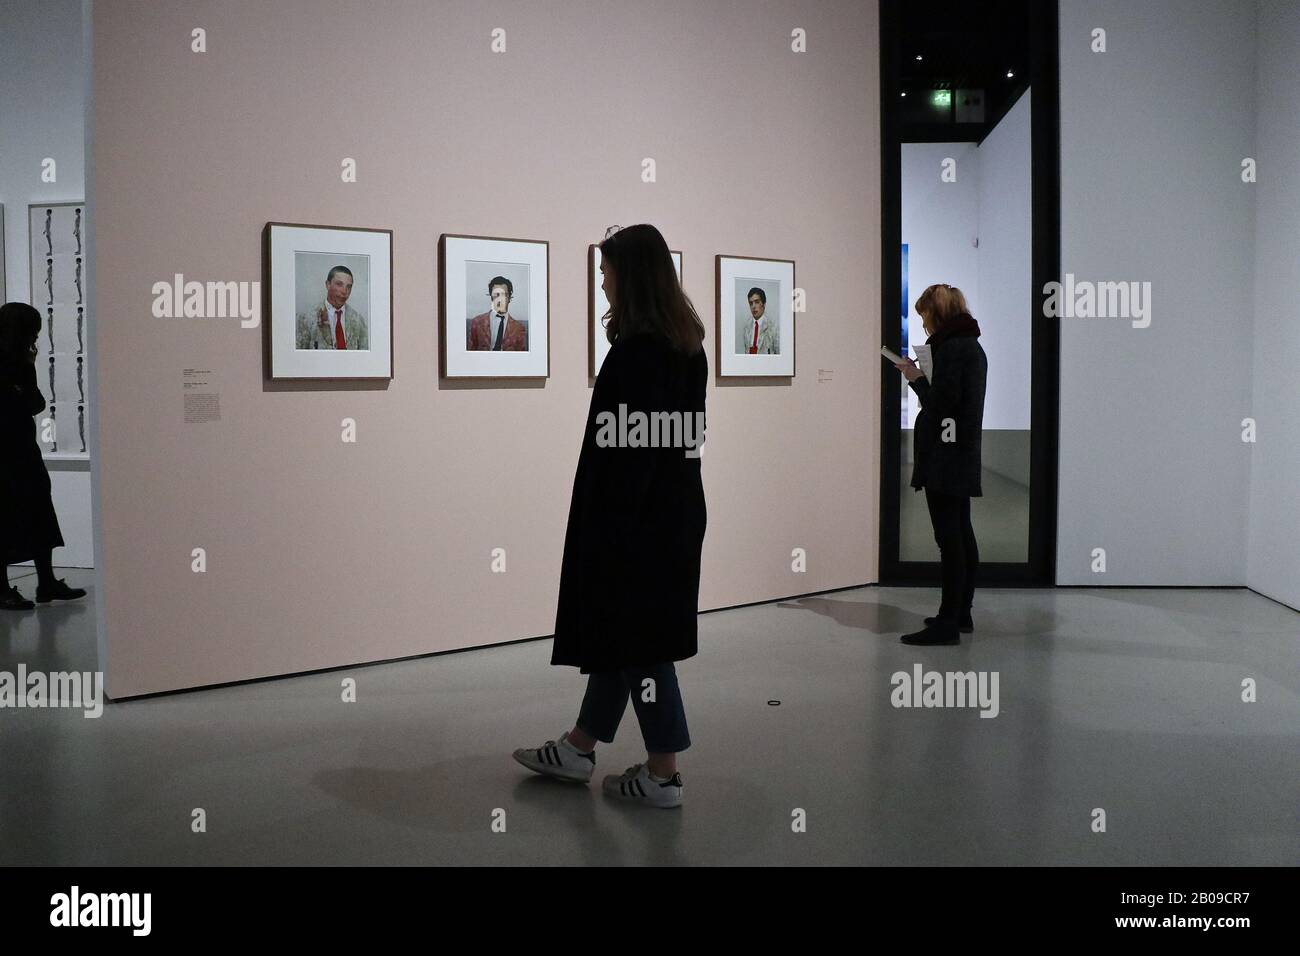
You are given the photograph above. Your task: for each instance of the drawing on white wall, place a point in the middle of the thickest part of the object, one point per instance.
(755, 316)
(59, 292)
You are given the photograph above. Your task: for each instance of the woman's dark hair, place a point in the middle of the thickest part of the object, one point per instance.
(647, 294)
(19, 324)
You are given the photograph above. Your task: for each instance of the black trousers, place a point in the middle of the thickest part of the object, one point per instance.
(663, 720)
(959, 554)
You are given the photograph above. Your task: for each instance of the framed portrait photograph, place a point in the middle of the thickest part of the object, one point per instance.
(330, 290)
(59, 291)
(494, 307)
(755, 316)
(598, 305)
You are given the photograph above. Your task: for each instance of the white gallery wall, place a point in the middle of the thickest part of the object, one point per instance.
(1006, 266)
(974, 233)
(1153, 131)
(322, 554)
(940, 223)
(42, 76)
(1273, 565)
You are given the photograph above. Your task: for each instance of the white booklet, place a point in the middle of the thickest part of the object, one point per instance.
(924, 360)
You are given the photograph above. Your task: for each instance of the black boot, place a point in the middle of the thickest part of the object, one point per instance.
(11, 599)
(940, 632)
(58, 591)
(964, 623)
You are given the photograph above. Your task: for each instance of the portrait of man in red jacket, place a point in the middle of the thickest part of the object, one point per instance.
(496, 330)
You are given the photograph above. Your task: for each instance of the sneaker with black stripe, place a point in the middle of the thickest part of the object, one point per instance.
(559, 759)
(636, 785)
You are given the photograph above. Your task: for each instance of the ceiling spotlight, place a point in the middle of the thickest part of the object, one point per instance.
(1010, 74)
(904, 93)
(918, 57)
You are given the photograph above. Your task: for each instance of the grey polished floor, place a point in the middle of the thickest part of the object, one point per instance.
(1125, 700)
(1000, 518)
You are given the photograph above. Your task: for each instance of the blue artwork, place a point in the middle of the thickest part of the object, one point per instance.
(903, 340)
(906, 397)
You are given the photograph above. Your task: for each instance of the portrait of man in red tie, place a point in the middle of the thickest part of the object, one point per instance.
(757, 332)
(332, 323)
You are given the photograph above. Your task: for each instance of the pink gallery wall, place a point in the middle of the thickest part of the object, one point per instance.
(321, 553)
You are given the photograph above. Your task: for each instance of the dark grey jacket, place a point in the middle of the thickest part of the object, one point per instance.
(957, 393)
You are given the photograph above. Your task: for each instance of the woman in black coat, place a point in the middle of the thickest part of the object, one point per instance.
(630, 576)
(29, 529)
(946, 452)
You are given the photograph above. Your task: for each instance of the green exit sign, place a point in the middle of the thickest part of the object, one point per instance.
(941, 98)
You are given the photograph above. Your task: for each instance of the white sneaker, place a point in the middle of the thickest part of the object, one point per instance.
(636, 786)
(558, 759)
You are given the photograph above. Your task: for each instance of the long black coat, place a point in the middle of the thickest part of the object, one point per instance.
(630, 577)
(960, 370)
(28, 524)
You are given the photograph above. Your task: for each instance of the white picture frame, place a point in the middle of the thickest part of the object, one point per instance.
(477, 275)
(737, 278)
(298, 257)
(60, 292)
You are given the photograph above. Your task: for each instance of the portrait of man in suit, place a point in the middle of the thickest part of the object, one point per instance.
(496, 330)
(759, 335)
(332, 323)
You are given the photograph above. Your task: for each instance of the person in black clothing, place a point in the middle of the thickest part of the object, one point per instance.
(29, 528)
(630, 574)
(946, 452)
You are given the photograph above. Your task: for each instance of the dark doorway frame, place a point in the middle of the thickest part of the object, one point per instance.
(1045, 241)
